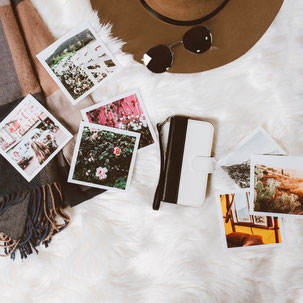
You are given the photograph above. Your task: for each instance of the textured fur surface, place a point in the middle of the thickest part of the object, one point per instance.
(117, 248)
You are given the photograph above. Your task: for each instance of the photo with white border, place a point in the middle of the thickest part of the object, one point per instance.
(237, 163)
(239, 229)
(79, 62)
(30, 137)
(104, 157)
(277, 186)
(126, 111)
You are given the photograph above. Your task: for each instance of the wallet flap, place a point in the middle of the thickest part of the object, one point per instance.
(203, 164)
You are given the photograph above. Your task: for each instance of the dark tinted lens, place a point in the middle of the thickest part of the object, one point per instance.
(197, 40)
(158, 59)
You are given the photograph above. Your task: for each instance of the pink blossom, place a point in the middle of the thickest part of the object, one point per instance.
(101, 173)
(117, 151)
(94, 136)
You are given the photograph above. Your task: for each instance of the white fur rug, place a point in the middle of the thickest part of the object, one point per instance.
(117, 248)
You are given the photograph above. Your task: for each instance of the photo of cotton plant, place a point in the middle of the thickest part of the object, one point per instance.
(78, 62)
(125, 112)
(103, 157)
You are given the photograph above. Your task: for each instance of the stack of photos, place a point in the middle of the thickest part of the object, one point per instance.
(79, 62)
(126, 112)
(237, 163)
(30, 137)
(104, 157)
(240, 229)
(277, 186)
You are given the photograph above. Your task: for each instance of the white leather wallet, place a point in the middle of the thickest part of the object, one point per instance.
(186, 163)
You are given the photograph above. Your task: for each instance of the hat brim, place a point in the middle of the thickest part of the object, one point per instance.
(235, 30)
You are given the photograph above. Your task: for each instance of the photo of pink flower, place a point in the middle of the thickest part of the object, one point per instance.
(101, 173)
(94, 136)
(104, 157)
(125, 113)
(117, 151)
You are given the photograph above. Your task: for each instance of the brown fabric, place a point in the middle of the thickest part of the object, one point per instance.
(32, 23)
(28, 210)
(235, 30)
(64, 113)
(27, 80)
(56, 101)
(14, 214)
(10, 88)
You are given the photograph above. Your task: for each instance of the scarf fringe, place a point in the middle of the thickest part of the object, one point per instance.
(41, 224)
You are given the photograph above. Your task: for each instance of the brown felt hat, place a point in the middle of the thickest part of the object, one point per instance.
(235, 26)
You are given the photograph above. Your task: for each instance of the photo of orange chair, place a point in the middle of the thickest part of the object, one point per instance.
(241, 229)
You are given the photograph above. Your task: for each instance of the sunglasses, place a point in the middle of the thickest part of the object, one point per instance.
(160, 58)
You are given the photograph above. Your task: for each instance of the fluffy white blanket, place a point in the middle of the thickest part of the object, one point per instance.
(117, 248)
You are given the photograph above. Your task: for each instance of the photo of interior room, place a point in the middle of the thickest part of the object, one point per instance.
(243, 229)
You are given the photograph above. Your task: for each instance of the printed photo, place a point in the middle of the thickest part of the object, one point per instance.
(260, 220)
(237, 163)
(79, 62)
(104, 157)
(123, 112)
(240, 229)
(277, 185)
(30, 137)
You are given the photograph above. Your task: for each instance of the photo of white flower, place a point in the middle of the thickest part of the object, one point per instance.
(79, 62)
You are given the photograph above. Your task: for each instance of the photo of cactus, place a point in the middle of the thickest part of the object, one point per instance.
(277, 185)
(242, 230)
(78, 62)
